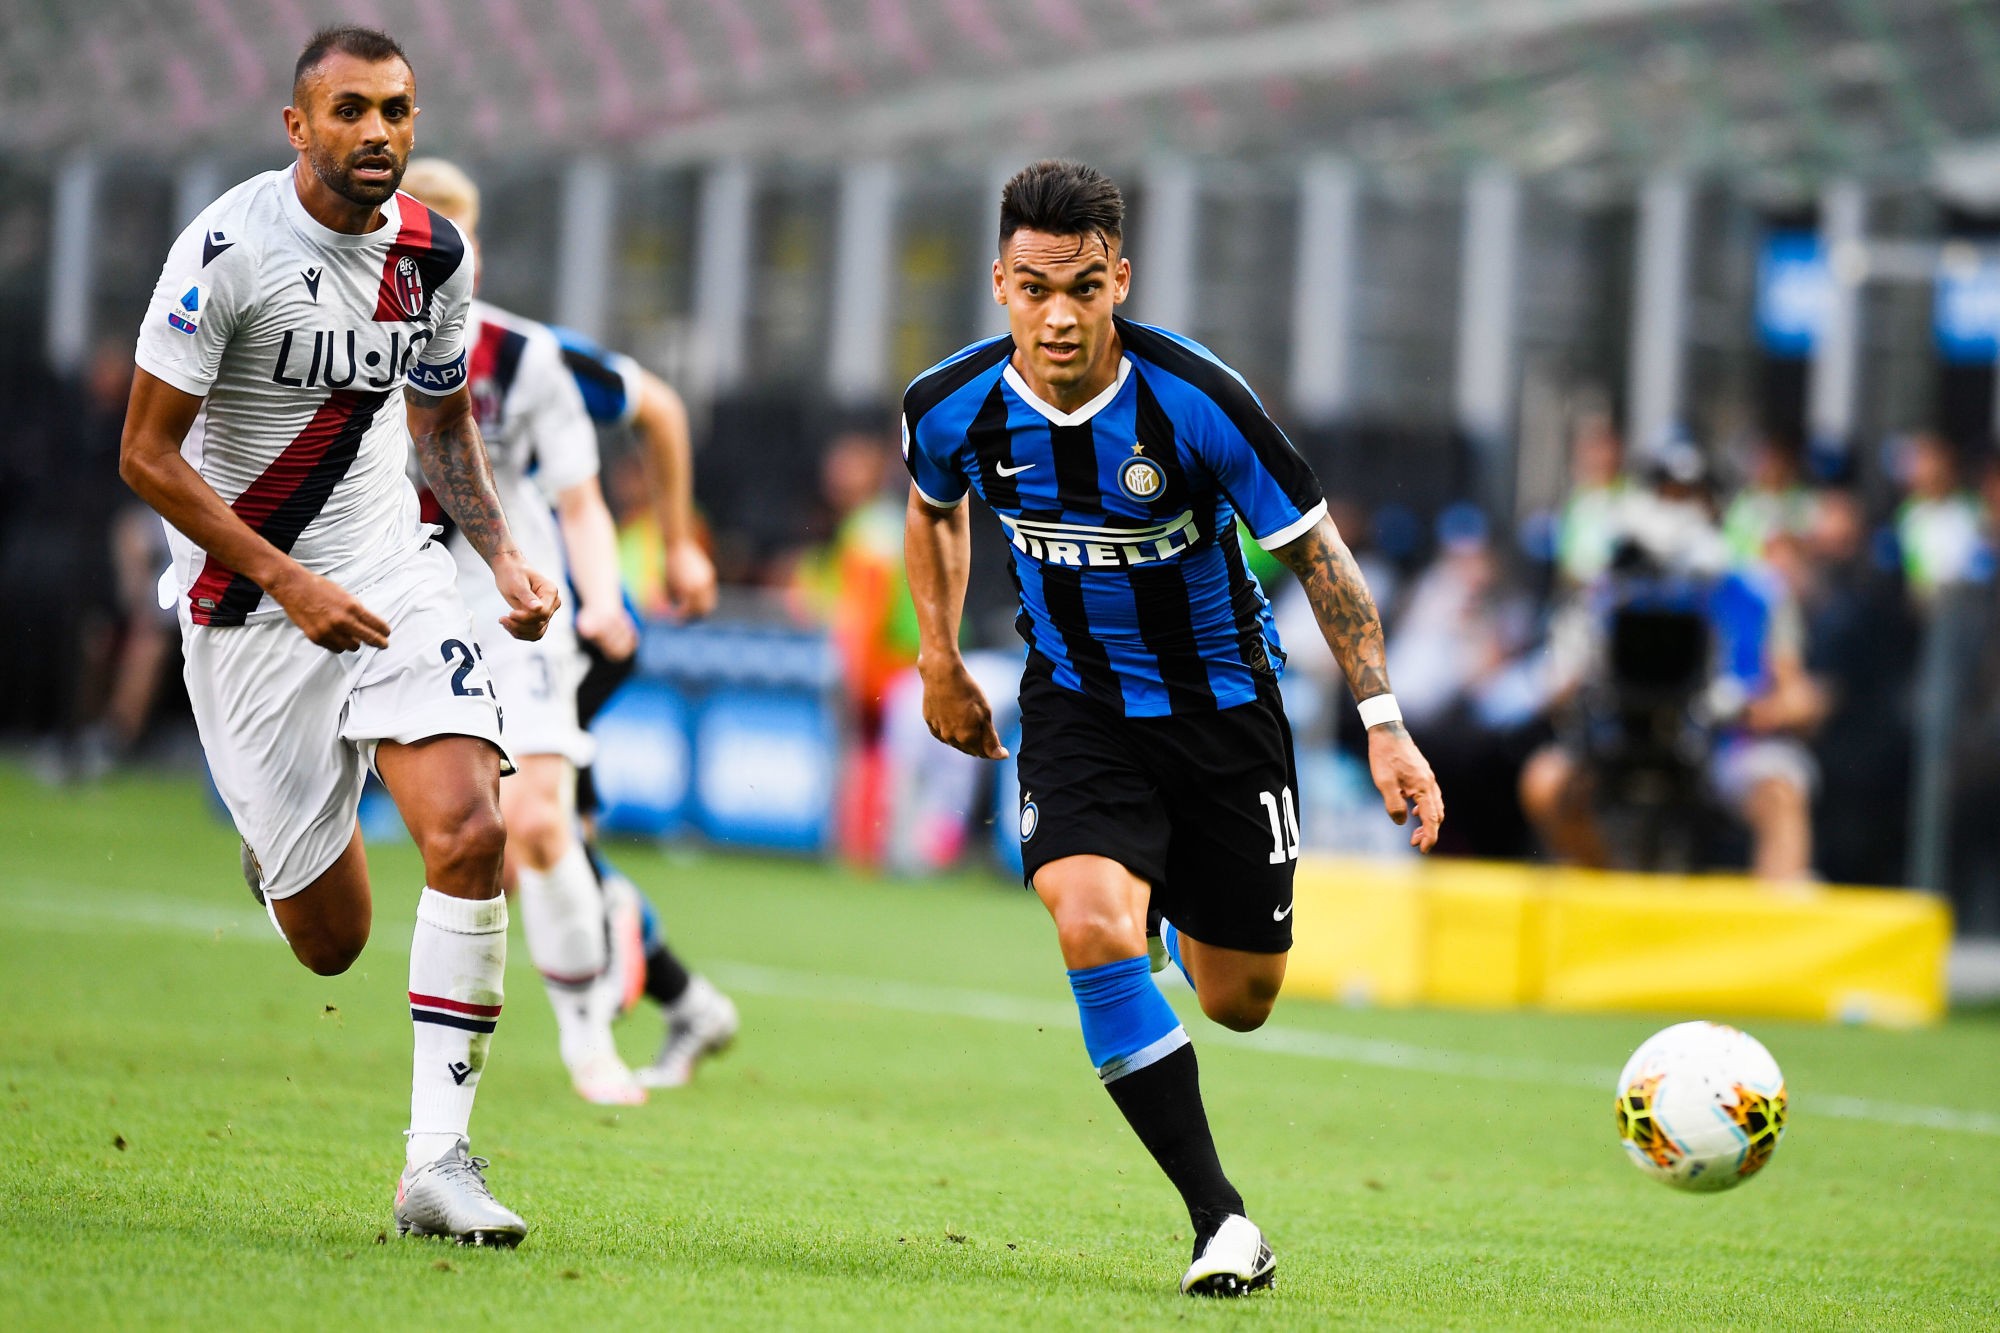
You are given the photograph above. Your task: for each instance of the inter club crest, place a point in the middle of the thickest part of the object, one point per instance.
(409, 287)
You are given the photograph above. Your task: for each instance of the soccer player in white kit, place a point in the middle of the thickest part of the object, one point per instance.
(308, 334)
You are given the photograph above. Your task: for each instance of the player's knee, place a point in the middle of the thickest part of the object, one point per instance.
(329, 952)
(539, 832)
(1092, 933)
(1240, 1009)
(466, 851)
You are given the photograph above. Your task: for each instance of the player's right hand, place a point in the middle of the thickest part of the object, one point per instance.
(328, 614)
(531, 599)
(956, 711)
(1406, 782)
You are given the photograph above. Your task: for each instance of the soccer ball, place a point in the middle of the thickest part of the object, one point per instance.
(1701, 1106)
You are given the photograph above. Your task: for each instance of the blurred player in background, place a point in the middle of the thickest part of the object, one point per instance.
(619, 393)
(307, 337)
(536, 396)
(1156, 763)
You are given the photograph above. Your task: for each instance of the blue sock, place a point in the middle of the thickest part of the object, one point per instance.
(1127, 1023)
(1172, 939)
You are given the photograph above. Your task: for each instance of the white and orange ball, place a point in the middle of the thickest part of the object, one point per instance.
(1701, 1106)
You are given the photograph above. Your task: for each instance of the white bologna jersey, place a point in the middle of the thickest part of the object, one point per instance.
(538, 435)
(301, 338)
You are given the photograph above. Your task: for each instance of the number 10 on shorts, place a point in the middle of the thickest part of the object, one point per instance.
(1284, 817)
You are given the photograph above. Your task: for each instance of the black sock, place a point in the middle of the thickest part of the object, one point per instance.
(666, 977)
(1162, 1103)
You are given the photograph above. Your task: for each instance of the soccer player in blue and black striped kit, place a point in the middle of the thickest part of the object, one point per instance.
(1156, 763)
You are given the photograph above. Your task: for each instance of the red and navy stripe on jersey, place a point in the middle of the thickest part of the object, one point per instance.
(285, 498)
(289, 494)
(433, 253)
(1133, 586)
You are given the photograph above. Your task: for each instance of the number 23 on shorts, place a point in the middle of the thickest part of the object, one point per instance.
(455, 650)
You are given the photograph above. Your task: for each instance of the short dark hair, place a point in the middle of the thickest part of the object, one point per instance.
(1063, 199)
(362, 43)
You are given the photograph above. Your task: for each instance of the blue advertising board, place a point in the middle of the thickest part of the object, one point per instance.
(728, 730)
(1794, 292)
(1966, 312)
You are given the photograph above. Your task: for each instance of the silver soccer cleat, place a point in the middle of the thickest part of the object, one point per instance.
(1234, 1261)
(449, 1197)
(701, 1023)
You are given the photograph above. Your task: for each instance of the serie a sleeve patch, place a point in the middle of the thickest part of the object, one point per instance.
(184, 316)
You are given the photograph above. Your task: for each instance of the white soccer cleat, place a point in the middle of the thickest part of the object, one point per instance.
(701, 1023)
(449, 1197)
(602, 1079)
(1235, 1260)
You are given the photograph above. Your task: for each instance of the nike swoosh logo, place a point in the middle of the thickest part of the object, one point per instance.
(1006, 471)
(1277, 915)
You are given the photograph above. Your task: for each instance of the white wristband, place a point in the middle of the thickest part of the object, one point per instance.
(1379, 708)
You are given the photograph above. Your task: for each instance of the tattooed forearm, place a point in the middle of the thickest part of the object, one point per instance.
(1341, 601)
(455, 467)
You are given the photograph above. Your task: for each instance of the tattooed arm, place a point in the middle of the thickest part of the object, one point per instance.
(1353, 629)
(453, 458)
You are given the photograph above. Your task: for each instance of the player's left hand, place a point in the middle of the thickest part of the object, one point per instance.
(1404, 778)
(689, 578)
(610, 628)
(533, 597)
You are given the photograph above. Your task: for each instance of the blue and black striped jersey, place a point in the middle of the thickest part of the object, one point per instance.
(1122, 514)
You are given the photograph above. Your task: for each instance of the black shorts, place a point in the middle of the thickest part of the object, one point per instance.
(1202, 806)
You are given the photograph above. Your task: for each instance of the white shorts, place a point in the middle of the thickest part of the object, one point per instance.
(1740, 763)
(289, 728)
(536, 682)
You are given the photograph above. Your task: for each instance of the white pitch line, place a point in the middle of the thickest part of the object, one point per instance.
(996, 1006)
(71, 908)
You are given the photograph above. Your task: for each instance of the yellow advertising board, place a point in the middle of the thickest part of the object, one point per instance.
(1474, 934)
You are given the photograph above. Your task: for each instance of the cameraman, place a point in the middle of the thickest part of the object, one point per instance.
(1739, 721)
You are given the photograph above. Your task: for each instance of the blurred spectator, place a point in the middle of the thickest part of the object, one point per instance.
(61, 491)
(134, 651)
(1938, 525)
(1861, 646)
(856, 586)
(1460, 626)
(1455, 653)
(1747, 704)
(1593, 516)
(1774, 500)
(642, 558)
(856, 582)
(1672, 518)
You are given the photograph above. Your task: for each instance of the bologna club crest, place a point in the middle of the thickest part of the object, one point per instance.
(409, 287)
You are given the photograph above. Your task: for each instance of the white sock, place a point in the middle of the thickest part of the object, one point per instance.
(562, 914)
(458, 957)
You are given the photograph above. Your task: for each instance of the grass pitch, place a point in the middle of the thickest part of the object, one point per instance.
(197, 1131)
